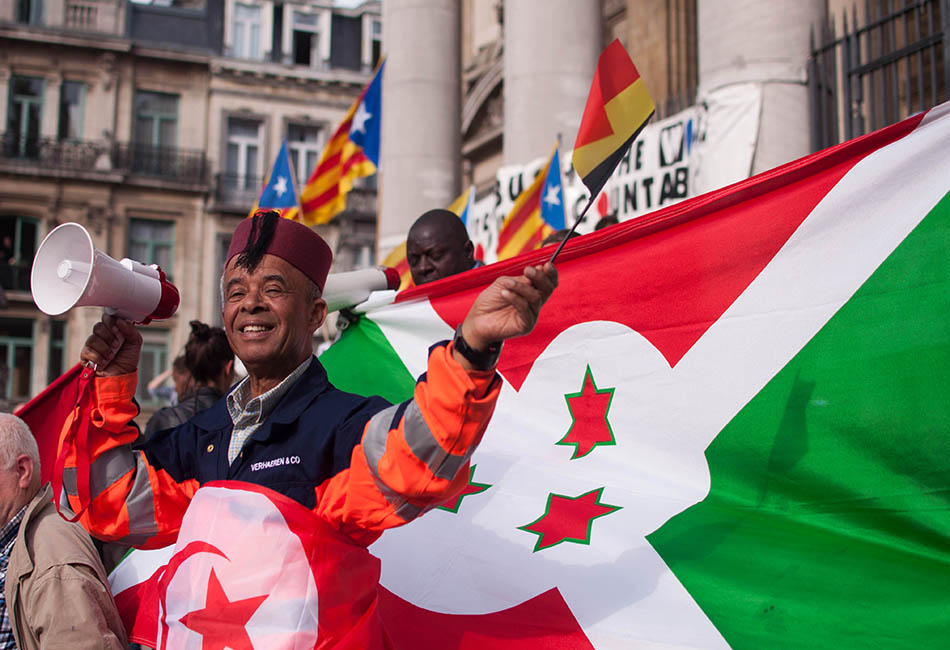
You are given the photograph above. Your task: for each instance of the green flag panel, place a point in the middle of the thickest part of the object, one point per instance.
(827, 524)
(363, 362)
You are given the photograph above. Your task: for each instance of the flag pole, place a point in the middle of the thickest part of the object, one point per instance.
(573, 228)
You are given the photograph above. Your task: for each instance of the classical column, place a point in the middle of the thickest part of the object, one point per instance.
(765, 43)
(420, 148)
(551, 50)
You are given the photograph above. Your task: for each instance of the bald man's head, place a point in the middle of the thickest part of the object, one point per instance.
(438, 246)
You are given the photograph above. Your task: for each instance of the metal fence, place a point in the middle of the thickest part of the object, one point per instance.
(890, 60)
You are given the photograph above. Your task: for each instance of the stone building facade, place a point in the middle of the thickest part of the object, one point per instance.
(154, 127)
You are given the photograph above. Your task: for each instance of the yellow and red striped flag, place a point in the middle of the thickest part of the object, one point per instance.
(353, 152)
(524, 228)
(618, 107)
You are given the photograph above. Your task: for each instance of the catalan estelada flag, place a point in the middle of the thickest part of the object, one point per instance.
(618, 106)
(525, 226)
(279, 191)
(353, 152)
(462, 206)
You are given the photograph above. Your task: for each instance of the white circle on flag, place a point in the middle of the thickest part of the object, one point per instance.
(264, 558)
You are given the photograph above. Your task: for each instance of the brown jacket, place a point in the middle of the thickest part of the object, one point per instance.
(57, 591)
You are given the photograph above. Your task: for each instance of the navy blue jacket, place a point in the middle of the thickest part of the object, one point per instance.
(308, 438)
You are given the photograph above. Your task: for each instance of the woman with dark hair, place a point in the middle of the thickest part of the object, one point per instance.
(210, 361)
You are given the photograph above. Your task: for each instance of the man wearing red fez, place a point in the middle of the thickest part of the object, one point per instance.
(360, 464)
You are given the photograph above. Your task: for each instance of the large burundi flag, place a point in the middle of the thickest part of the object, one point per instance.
(729, 427)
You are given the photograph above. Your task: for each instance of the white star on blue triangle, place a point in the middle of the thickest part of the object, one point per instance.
(552, 207)
(279, 193)
(364, 127)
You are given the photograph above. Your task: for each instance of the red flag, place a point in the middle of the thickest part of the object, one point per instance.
(46, 413)
(251, 569)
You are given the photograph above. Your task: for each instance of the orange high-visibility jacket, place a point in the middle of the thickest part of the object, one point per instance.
(360, 463)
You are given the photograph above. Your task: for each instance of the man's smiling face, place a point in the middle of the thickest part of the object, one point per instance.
(270, 315)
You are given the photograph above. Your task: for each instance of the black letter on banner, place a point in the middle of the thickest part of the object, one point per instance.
(624, 166)
(674, 187)
(512, 192)
(647, 184)
(629, 198)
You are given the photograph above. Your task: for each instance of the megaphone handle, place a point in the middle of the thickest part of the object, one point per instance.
(118, 335)
(112, 311)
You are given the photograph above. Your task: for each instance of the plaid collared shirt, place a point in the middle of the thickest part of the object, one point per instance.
(7, 537)
(248, 414)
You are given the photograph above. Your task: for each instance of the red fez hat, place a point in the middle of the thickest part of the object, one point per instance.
(289, 240)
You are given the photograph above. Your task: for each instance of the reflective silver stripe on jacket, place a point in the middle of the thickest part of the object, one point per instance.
(423, 444)
(109, 468)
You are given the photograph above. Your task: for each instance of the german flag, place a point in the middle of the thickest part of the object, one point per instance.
(524, 229)
(617, 109)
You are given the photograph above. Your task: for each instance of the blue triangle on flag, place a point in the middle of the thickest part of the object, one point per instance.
(364, 130)
(552, 195)
(280, 191)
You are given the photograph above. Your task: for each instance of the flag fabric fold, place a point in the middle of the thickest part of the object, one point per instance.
(280, 190)
(527, 223)
(351, 153)
(617, 108)
(211, 588)
(724, 430)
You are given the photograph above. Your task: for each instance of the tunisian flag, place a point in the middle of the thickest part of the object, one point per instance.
(251, 569)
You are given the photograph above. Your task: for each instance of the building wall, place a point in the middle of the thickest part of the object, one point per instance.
(94, 180)
(99, 180)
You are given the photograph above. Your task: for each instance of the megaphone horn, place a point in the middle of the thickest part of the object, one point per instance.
(353, 287)
(69, 271)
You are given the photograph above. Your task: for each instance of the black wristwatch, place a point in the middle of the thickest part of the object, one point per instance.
(480, 359)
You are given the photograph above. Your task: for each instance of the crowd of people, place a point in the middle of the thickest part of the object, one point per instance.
(364, 465)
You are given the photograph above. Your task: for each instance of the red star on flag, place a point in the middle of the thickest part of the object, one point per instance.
(590, 427)
(568, 519)
(222, 622)
(453, 505)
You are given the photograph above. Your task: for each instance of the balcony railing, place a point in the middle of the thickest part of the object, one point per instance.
(168, 163)
(162, 163)
(237, 191)
(81, 15)
(54, 154)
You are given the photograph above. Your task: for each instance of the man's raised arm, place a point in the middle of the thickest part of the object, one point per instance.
(415, 455)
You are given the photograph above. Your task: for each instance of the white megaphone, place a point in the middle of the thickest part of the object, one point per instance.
(69, 271)
(353, 287)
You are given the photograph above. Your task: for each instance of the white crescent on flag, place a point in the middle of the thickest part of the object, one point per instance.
(212, 596)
